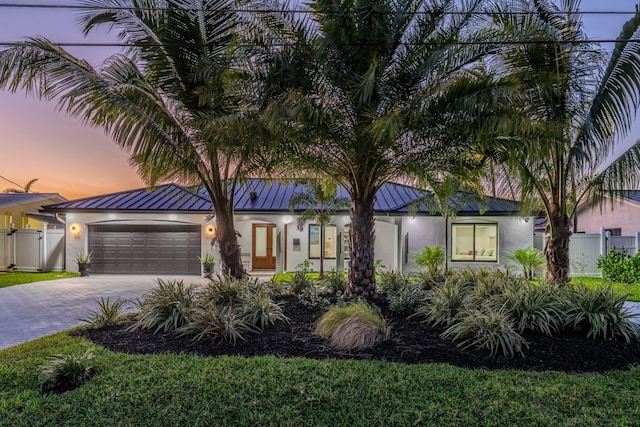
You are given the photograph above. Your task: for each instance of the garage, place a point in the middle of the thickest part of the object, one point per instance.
(145, 249)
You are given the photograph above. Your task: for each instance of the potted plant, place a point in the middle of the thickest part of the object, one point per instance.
(84, 263)
(208, 262)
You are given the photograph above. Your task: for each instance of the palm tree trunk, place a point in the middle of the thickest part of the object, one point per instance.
(362, 279)
(230, 256)
(556, 249)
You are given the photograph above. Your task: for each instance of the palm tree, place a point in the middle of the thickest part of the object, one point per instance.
(320, 201)
(25, 189)
(369, 91)
(166, 98)
(578, 111)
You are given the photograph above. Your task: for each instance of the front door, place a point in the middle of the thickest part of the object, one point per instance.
(264, 247)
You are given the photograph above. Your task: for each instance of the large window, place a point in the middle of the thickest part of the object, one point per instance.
(330, 241)
(346, 241)
(474, 242)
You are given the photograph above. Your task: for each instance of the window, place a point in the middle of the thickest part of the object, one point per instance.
(614, 231)
(474, 242)
(329, 246)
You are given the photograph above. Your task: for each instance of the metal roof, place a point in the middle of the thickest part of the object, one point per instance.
(255, 195)
(17, 199)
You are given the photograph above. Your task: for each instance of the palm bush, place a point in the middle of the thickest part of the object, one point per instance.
(487, 329)
(352, 327)
(107, 314)
(600, 312)
(431, 258)
(167, 307)
(528, 259)
(66, 372)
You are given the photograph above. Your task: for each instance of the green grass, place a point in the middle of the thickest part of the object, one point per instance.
(133, 390)
(18, 278)
(286, 277)
(633, 291)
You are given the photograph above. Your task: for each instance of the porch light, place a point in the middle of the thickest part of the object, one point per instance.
(287, 219)
(75, 228)
(210, 230)
(524, 219)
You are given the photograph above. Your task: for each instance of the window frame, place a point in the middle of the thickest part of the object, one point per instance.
(474, 251)
(323, 244)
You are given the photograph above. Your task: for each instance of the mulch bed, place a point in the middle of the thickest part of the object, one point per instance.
(410, 341)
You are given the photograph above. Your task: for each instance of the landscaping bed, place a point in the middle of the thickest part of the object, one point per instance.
(410, 341)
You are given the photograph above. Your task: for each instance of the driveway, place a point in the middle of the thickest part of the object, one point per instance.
(34, 310)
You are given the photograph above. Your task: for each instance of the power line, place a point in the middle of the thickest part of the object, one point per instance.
(300, 11)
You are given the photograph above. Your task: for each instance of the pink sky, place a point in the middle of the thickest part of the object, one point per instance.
(36, 141)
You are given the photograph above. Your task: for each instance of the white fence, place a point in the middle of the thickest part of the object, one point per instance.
(584, 250)
(32, 250)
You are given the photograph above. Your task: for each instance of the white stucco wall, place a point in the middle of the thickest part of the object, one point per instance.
(622, 214)
(513, 233)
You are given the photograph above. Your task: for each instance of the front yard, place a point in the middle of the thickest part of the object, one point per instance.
(191, 390)
(18, 278)
(632, 290)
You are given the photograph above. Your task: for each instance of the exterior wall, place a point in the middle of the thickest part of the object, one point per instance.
(513, 233)
(17, 215)
(78, 242)
(622, 214)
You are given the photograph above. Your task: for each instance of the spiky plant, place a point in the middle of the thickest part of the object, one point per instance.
(107, 314)
(65, 372)
(535, 307)
(166, 307)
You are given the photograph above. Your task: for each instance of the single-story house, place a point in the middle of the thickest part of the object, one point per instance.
(163, 230)
(30, 240)
(620, 216)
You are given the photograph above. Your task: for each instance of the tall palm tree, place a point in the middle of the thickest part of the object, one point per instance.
(166, 98)
(25, 189)
(579, 108)
(367, 91)
(320, 201)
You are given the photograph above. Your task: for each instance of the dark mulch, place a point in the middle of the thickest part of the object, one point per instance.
(410, 342)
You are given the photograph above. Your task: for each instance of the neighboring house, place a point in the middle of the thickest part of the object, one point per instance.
(30, 240)
(165, 229)
(620, 216)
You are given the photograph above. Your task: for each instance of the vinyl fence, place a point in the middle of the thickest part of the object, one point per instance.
(584, 250)
(32, 250)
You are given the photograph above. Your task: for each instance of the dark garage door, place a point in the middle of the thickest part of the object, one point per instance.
(145, 249)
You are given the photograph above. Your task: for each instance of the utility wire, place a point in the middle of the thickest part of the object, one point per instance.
(301, 11)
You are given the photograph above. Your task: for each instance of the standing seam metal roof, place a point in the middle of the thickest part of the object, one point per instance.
(270, 196)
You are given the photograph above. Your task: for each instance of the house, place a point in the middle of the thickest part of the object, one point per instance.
(163, 230)
(30, 240)
(620, 216)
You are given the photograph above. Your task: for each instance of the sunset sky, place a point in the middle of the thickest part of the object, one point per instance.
(36, 141)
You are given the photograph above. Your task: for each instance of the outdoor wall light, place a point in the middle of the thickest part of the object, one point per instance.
(75, 228)
(210, 230)
(286, 219)
(524, 219)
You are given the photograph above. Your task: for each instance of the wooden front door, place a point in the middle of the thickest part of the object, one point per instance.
(264, 247)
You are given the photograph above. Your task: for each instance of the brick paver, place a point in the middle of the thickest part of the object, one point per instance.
(34, 310)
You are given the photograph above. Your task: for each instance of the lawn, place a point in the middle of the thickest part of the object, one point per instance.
(18, 278)
(192, 390)
(632, 290)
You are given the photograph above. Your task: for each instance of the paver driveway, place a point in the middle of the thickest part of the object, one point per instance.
(34, 310)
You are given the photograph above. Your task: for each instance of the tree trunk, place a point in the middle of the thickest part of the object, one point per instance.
(362, 279)
(556, 249)
(230, 256)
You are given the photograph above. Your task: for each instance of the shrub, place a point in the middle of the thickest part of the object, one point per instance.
(406, 299)
(107, 313)
(315, 297)
(260, 310)
(537, 308)
(528, 259)
(299, 282)
(487, 329)
(167, 307)
(431, 258)
(335, 281)
(600, 311)
(429, 281)
(444, 302)
(228, 323)
(66, 372)
(352, 326)
(620, 267)
(391, 281)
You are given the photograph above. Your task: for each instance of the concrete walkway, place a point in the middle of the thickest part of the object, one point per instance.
(34, 310)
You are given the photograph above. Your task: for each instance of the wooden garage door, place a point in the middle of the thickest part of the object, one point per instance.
(145, 249)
